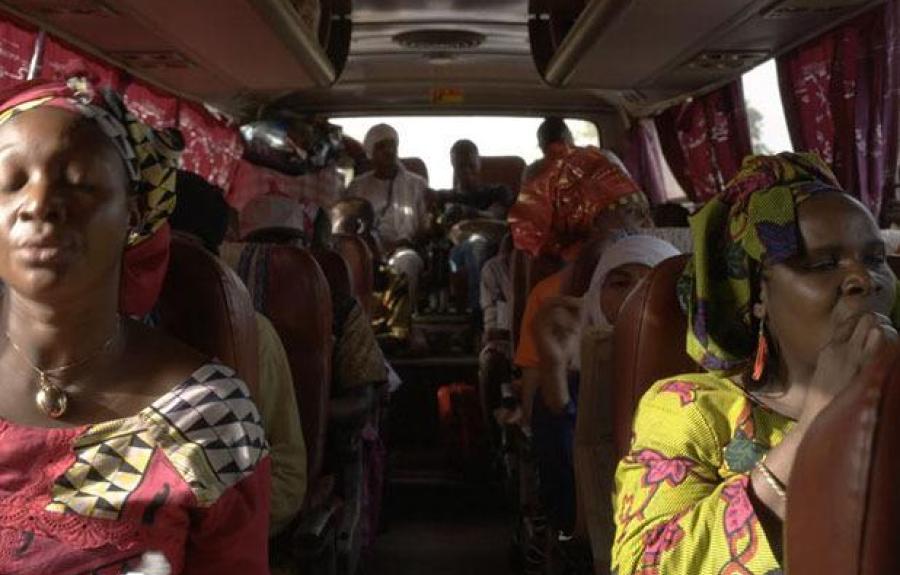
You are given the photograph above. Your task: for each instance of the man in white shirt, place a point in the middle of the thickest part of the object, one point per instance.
(397, 195)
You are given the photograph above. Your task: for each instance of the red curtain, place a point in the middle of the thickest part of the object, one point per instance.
(157, 109)
(213, 148)
(16, 48)
(840, 101)
(643, 161)
(61, 62)
(706, 139)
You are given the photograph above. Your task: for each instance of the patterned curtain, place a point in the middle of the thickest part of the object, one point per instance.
(156, 108)
(706, 139)
(213, 148)
(60, 61)
(643, 161)
(840, 101)
(16, 47)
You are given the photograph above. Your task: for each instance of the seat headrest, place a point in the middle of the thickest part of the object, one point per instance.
(416, 166)
(502, 170)
(843, 502)
(893, 261)
(336, 272)
(205, 305)
(287, 285)
(649, 343)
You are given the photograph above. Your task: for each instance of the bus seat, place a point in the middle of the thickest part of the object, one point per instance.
(336, 272)
(359, 259)
(347, 417)
(649, 343)
(503, 170)
(205, 305)
(416, 166)
(288, 286)
(843, 504)
(893, 261)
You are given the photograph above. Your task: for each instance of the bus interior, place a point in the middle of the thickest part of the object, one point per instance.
(429, 470)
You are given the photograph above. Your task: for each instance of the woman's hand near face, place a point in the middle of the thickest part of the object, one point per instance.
(557, 329)
(857, 341)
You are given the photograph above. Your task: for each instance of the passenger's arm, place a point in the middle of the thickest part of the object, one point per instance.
(678, 509)
(281, 418)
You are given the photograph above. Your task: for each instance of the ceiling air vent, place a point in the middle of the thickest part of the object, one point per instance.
(802, 8)
(439, 40)
(151, 60)
(728, 59)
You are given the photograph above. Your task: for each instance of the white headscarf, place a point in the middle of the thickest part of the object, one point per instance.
(378, 133)
(645, 250)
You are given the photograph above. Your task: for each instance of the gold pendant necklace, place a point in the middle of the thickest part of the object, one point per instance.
(50, 398)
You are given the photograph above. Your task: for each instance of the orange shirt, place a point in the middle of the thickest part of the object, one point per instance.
(526, 351)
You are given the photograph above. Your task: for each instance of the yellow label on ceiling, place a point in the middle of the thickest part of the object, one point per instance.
(444, 96)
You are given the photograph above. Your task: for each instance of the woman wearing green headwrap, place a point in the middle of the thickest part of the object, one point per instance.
(788, 296)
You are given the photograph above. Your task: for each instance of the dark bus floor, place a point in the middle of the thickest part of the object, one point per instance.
(442, 529)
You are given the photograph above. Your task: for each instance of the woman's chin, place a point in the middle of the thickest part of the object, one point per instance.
(42, 282)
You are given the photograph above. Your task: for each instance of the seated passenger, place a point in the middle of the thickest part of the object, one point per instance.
(201, 214)
(788, 296)
(111, 439)
(398, 196)
(478, 199)
(556, 332)
(553, 136)
(610, 204)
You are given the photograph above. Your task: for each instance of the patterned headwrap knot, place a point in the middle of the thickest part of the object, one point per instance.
(150, 157)
(753, 221)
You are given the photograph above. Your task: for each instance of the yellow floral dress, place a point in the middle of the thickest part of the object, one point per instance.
(682, 504)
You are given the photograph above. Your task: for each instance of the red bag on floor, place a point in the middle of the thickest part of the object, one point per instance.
(462, 425)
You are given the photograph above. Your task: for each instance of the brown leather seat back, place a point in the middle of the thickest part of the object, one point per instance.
(893, 261)
(525, 272)
(288, 286)
(843, 503)
(359, 259)
(649, 343)
(336, 273)
(205, 305)
(416, 166)
(503, 170)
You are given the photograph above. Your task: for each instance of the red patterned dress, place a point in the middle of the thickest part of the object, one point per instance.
(188, 477)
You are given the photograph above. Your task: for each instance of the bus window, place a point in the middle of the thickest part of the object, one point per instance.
(765, 113)
(430, 138)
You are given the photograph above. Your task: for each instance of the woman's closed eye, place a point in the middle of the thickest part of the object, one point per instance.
(12, 179)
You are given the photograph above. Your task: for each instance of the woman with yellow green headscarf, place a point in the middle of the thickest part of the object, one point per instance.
(119, 447)
(788, 295)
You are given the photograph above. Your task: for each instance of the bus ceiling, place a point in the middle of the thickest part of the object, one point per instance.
(598, 57)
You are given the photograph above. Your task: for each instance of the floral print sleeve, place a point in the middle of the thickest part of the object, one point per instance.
(682, 503)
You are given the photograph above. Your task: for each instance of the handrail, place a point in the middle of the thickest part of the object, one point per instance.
(597, 16)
